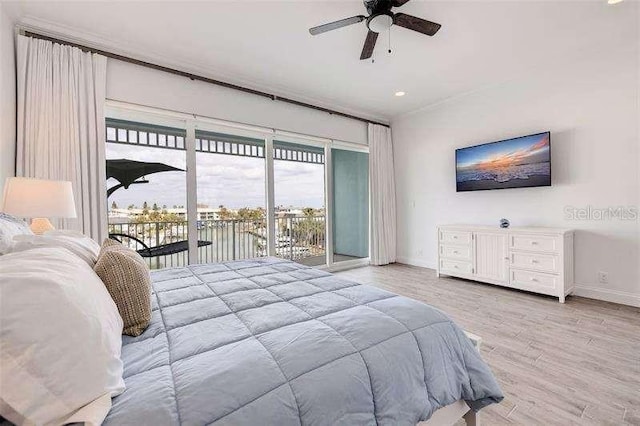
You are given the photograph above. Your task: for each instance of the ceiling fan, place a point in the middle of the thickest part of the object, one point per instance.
(380, 19)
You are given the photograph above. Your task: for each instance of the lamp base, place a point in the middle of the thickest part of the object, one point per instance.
(40, 225)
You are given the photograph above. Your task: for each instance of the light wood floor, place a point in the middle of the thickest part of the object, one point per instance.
(577, 363)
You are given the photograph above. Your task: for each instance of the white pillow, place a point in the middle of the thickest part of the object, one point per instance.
(11, 226)
(61, 338)
(80, 245)
(89, 243)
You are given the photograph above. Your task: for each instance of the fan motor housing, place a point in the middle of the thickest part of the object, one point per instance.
(376, 6)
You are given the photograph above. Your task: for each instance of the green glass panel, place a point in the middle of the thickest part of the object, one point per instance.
(350, 204)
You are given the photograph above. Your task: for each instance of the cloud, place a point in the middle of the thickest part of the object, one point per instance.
(534, 153)
(229, 180)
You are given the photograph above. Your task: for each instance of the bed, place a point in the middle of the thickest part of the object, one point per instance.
(273, 342)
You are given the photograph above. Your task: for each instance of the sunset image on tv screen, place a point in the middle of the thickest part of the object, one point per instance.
(513, 163)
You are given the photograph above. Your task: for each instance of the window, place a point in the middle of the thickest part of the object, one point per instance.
(299, 193)
(182, 191)
(231, 206)
(146, 190)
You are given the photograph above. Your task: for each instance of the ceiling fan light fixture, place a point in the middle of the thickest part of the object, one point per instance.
(400, 93)
(380, 23)
(380, 19)
(614, 1)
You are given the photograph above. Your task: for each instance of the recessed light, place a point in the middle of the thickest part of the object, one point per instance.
(400, 94)
(614, 1)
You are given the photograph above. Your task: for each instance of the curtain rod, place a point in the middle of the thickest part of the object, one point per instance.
(197, 77)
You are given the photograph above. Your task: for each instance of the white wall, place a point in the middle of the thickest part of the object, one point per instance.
(7, 97)
(135, 84)
(590, 105)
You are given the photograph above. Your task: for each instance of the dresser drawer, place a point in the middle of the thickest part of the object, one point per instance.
(536, 261)
(455, 237)
(455, 267)
(456, 252)
(548, 243)
(534, 281)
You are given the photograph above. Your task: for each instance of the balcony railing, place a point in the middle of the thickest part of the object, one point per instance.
(300, 237)
(297, 238)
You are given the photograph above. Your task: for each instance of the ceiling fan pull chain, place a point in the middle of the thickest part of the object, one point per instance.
(389, 40)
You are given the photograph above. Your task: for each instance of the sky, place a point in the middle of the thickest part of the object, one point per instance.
(228, 180)
(525, 150)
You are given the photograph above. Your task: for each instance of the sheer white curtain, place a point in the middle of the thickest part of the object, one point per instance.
(61, 132)
(383, 196)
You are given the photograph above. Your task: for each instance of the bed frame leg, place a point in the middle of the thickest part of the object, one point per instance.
(471, 418)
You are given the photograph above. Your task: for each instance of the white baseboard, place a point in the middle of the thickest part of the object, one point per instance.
(608, 295)
(415, 262)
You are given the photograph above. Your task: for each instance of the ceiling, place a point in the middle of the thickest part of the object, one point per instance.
(266, 44)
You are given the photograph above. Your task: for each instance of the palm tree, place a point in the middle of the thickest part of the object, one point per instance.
(309, 231)
(224, 213)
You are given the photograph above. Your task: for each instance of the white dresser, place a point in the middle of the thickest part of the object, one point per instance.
(539, 260)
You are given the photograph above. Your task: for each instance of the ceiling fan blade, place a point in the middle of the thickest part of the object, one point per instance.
(369, 44)
(416, 24)
(337, 24)
(398, 3)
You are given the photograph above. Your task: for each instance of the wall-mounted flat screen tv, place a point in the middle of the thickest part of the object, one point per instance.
(513, 163)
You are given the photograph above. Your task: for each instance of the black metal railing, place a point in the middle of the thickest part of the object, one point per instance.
(299, 237)
(296, 238)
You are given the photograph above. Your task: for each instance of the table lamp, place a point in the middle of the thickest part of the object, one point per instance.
(39, 200)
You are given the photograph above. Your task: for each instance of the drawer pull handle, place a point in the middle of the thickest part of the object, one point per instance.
(455, 237)
(534, 279)
(534, 243)
(455, 266)
(455, 252)
(534, 261)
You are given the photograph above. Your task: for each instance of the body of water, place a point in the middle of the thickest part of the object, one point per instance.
(505, 174)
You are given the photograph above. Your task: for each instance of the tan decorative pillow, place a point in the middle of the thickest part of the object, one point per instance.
(126, 276)
(108, 242)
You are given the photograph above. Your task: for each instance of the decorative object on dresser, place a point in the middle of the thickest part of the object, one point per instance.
(534, 259)
(39, 199)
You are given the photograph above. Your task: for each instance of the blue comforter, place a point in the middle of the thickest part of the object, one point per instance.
(272, 342)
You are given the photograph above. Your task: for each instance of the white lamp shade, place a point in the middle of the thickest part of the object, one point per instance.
(27, 197)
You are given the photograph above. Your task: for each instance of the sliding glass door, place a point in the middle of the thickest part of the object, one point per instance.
(147, 190)
(299, 194)
(186, 191)
(231, 197)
